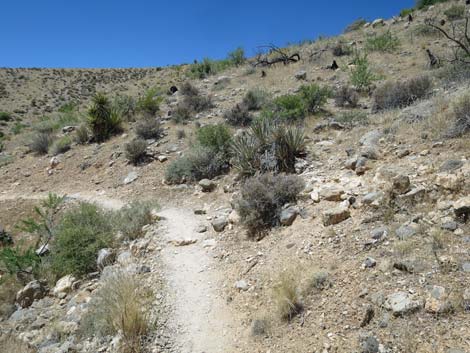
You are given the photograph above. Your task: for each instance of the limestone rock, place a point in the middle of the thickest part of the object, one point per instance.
(335, 215)
(64, 286)
(207, 185)
(288, 216)
(32, 291)
(401, 303)
(220, 223)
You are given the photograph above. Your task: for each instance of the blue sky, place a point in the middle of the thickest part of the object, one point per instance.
(141, 33)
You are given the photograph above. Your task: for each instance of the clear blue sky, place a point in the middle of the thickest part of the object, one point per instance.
(141, 33)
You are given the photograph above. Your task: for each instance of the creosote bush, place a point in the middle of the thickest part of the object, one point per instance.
(290, 107)
(455, 12)
(104, 120)
(193, 102)
(148, 128)
(262, 198)
(120, 305)
(136, 150)
(82, 135)
(401, 94)
(254, 100)
(149, 103)
(80, 234)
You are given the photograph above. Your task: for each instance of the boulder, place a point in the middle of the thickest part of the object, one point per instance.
(220, 223)
(437, 300)
(378, 23)
(405, 232)
(301, 75)
(288, 216)
(401, 184)
(207, 185)
(64, 286)
(335, 215)
(32, 291)
(401, 303)
(332, 193)
(105, 258)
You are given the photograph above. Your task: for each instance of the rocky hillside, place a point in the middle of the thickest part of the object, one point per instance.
(317, 204)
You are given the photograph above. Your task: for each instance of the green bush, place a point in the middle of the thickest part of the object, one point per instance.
(262, 198)
(401, 94)
(208, 67)
(455, 12)
(82, 135)
(18, 261)
(238, 116)
(267, 146)
(68, 107)
(148, 128)
(4, 116)
(61, 145)
(193, 102)
(386, 42)
(40, 142)
(406, 12)
(81, 233)
(290, 107)
(199, 163)
(421, 4)
(103, 119)
(237, 57)
(314, 97)
(356, 25)
(361, 75)
(136, 150)
(216, 137)
(130, 219)
(149, 103)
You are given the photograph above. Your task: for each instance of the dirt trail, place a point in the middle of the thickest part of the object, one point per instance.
(204, 320)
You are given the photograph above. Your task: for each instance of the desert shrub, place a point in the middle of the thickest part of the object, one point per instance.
(461, 126)
(346, 96)
(121, 304)
(361, 75)
(454, 73)
(40, 142)
(199, 163)
(216, 137)
(401, 94)
(267, 146)
(352, 118)
(18, 261)
(385, 42)
(320, 280)
(314, 97)
(262, 198)
(136, 150)
(61, 145)
(406, 12)
(148, 128)
(188, 89)
(130, 219)
(237, 57)
(340, 49)
(149, 103)
(80, 234)
(82, 135)
(12, 344)
(455, 12)
(358, 24)
(67, 107)
(180, 134)
(197, 103)
(103, 119)
(423, 30)
(4, 116)
(239, 115)
(181, 114)
(208, 67)
(254, 99)
(286, 296)
(421, 4)
(18, 127)
(126, 106)
(290, 107)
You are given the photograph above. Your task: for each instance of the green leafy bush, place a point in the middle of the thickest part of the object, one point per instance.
(290, 107)
(386, 42)
(254, 99)
(216, 137)
(103, 119)
(82, 135)
(406, 12)
(18, 261)
(148, 128)
(4, 116)
(239, 115)
(262, 198)
(361, 75)
(61, 145)
(149, 103)
(421, 4)
(401, 94)
(455, 12)
(126, 106)
(237, 57)
(314, 97)
(130, 219)
(40, 142)
(136, 150)
(80, 234)
(208, 67)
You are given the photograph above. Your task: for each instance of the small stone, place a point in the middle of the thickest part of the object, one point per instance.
(241, 285)
(450, 165)
(401, 184)
(288, 216)
(370, 345)
(64, 285)
(466, 267)
(369, 263)
(162, 158)
(301, 75)
(315, 196)
(379, 233)
(437, 300)
(220, 223)
(450, 226)
(405, 232)
(201, 228)
(332, 193)
(131, 177)
(401, 303)
(335, 215)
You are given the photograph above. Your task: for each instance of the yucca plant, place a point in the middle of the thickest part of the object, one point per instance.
(245, 154)
(103, 119)
(290, 143)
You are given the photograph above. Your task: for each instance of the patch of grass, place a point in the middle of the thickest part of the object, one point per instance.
(181, 114)
(320, 280)
(239, 115)
(103, 119)
(180, 134)
(4, 116)
(121, 304)
(286, 296)
(262, 198)
(126, 106)
(401, 94)
(148, 128)
(461, 124)
(80, 234)
(406, 12)
(386, 42)
(454, 73)
(12, 344)
(237, 56)
(421, 4)
(352, 118)
(9, 286)
(18, 127)
(136, 150)
(130, 219)
(61, 145)
(341, 49)
(423, 30)
(455, 12)
(346, 97)
(193, 102)
(356, 25)
(254, 99)
(82, 135)
(208, 67)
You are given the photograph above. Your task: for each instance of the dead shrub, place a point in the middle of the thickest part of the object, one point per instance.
(346, 97)
(461, 125)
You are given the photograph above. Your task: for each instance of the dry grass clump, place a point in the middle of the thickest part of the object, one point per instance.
(346, 97)
(148, 128)
(11, 344)
(136, 150)
(286, 296)
(121, 305)
(461, 125)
